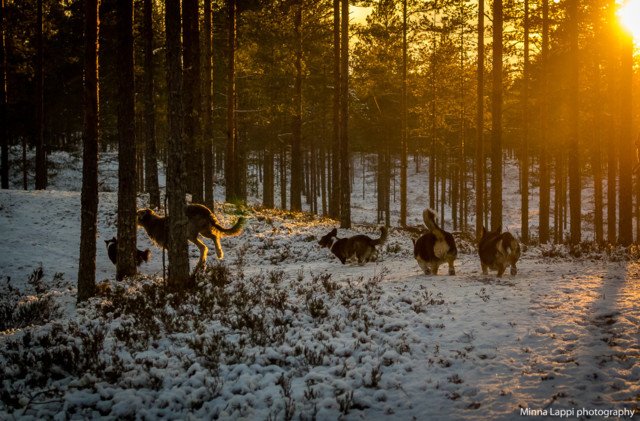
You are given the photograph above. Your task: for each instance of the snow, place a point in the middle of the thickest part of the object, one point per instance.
(293, 334)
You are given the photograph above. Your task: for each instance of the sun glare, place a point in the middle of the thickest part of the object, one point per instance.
(630, 17)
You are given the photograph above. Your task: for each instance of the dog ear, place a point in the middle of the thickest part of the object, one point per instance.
(334, 231)
(499, 229)
(484, 231)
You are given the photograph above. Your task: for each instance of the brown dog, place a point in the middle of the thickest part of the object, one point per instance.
(200, 221)
(498, 250)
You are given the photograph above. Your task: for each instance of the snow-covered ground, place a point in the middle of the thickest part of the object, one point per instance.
(281, 330)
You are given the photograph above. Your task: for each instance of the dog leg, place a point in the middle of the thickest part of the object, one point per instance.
(203, 250)
(501, 269)
(485, 269)
(434, 268)
(452, 270)
(514, 270)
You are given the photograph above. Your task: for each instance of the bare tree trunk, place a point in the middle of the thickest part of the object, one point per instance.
(151, 159)
(296, 155)
(89, 196)
(231, 164)
(480, 125)
(269, 180)
(345, 185)
(207, 108)
(335, 197)
(283, 177)
(4, 139)
(192, 98)
(41, 154)
(625, 227)
(524, 163)
(404, 134)
(127, 230)
(545, 178)
(496, 117)
(575, 188)
(176, 171)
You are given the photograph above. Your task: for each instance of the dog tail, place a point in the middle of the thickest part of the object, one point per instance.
(236, 229)
(429, 217)
(384, 232)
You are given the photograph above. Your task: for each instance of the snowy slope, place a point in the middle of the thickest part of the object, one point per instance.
(281, 330)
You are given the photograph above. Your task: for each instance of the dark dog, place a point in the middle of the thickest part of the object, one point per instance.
(359, 247)
(112, 251)
(435, 247)
(200, 220)
(498, 250)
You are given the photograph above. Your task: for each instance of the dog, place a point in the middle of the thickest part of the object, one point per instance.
(435, 247)
(200, 221)
(498, 250)
(112, 251)
(361, 248)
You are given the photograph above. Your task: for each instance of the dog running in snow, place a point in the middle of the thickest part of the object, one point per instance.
(112, 251)
(435, 247)
(200, 221)
(498, 250)
(360, 248)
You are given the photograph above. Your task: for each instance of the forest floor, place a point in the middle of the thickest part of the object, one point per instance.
(281, 330)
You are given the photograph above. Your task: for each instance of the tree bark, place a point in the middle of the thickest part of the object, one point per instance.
(575, 188)
(207, 107)
(176, 171)
(404, 134)
(345, 185)
(625, 227)
(41, 154)
(151, 158)
(192, 98)
(126, 143)
(480, 125)
(545, 180)
(296, 155)
(335, 198)
(524, 161)
(89, 195)
(496, 118)
(231, 159)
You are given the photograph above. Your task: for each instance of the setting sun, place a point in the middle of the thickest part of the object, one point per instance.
(630, 17)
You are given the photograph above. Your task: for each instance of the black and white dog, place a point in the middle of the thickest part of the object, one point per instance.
(498, 250)
(360, 247)
(112, 251)
(435, 247)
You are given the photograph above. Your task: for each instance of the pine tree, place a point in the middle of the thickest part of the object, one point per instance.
(496, 118)
(151, 160)
(4, 139)
(89, 195)
(176, 171)
(41, 157)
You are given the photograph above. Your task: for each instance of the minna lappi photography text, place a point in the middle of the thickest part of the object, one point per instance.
(619, 413)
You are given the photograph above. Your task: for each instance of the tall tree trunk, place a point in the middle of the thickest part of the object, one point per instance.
(434, 134)
(4, 139)
(126, 143)
(89, 196)
(41, 154)
(545, 178)
(480, 125)
(575, 189)
(335, 198)
(524, 162)
(192, 98)
(207, 108)
(176, 172)
(345, 185)
(269, 179)
(151, 159)
(296, 155)
(496, 118)
(231, 163)
(625, 227)
(404, 134)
